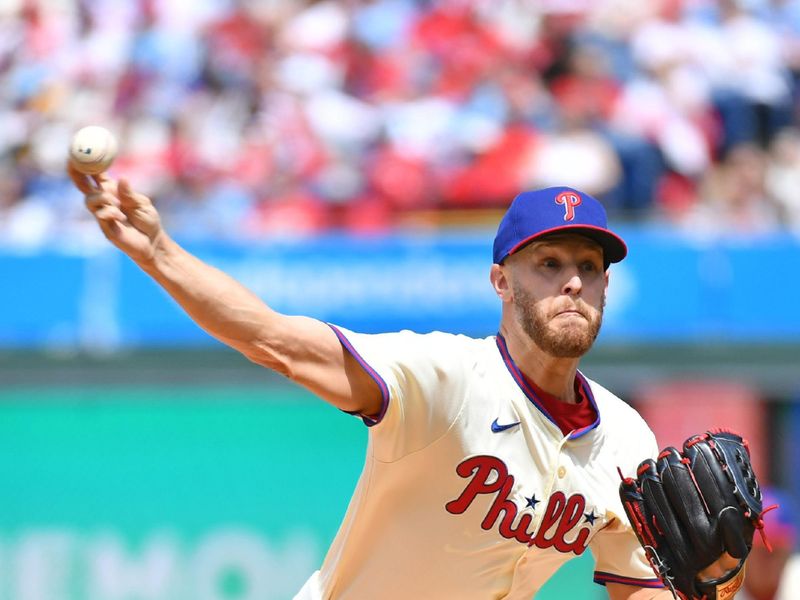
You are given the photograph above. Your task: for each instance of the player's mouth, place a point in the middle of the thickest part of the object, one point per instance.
(573, 312)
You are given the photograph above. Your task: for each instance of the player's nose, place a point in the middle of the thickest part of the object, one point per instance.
(573, 285)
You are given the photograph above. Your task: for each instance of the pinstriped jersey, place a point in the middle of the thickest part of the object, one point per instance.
(469, 489)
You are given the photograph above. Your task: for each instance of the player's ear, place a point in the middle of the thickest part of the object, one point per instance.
(498, 275)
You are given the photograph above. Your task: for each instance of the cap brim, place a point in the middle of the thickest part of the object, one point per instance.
(614, 249)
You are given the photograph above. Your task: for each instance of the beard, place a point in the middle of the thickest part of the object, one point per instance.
(569, 340)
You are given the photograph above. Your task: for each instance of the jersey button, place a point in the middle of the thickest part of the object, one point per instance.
(562, 470)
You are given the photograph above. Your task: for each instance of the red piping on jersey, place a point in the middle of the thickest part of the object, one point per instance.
(531, 395)
(603, 578)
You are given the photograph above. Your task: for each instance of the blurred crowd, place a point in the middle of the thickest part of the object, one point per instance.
(255, 118)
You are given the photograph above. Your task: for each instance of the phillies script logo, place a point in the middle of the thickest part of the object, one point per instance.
(570, 200)
(562, 512)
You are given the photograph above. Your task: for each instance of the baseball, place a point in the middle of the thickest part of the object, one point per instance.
(93, 149)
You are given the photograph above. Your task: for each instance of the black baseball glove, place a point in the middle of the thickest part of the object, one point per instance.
(689, 508)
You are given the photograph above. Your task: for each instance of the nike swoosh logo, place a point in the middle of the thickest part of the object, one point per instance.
(497, 428)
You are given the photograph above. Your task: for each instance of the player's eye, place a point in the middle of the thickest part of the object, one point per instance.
(550, 263)
(589, 267)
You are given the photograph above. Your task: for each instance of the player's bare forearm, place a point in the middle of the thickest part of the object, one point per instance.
(300, 348)
(223, 307)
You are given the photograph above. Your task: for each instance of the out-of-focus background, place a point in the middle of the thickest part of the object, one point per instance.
(350, 160)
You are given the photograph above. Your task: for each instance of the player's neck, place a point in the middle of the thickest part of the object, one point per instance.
(556, 376)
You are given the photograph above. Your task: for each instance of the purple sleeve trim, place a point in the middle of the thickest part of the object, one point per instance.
(369, 420)
(603, 578)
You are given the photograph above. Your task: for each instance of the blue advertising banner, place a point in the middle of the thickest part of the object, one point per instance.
(670, 288)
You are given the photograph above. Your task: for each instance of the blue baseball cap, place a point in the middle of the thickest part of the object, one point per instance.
(537, 213)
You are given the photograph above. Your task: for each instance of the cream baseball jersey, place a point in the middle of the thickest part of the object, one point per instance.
(469, 489)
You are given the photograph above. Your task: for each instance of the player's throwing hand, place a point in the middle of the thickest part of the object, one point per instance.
(128, 219)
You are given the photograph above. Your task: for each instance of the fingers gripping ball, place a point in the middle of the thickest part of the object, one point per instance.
(93, 149)
(691, 507)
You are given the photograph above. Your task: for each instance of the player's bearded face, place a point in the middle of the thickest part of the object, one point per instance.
(562, 338)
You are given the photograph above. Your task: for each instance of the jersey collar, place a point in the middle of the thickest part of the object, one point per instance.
(531, 395)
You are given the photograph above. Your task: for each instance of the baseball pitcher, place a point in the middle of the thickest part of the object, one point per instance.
(491, 462)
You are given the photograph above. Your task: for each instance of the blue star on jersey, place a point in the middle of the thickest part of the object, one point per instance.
(532, 501)
(590, 517)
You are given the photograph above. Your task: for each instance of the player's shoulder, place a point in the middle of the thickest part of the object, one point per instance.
(443, 337)
(434, 339)
(459, 343)
(438, 346)
(460, 340)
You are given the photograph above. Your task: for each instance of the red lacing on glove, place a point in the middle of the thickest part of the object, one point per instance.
(731, 431)
(702, 437)
(639, 520)
(642, 525)
(759, 524)
(714, 430)
(656, 526)
(687, 462)
(627, 480)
